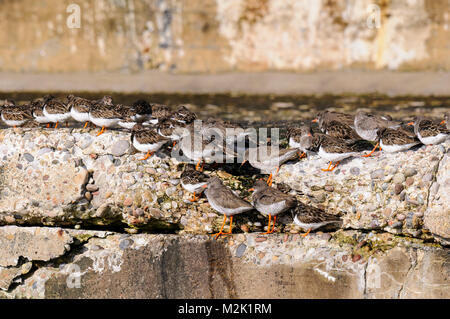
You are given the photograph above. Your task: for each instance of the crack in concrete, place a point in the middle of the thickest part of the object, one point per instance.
(413, 263)
(436, 170)
(76, 248)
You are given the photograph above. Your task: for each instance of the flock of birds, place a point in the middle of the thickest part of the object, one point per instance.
(154, 125)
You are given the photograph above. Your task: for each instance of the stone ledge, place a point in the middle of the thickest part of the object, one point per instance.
(112, 265)
(71, 178)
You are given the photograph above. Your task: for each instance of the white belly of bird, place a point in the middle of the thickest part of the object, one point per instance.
(197, 188)
(226, 211)
(313, 226)
(396, 148)
(56, 117)
(103, 122)
(127, 125)
(147, 147)
(432, 140)
(79, 116)
(273, 209)
(151, 121)
(334, 157)
(13, 123)
(174, 137)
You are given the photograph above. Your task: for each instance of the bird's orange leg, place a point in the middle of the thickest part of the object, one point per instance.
(194, 198)
(174, 143)
(231, 226)
(101, 131)
(270, 180)
(442, 123)
(221, 228)
(306, 234)
(147, 156)
(86, 124)
(48, 125)
(198, 164)
(374, 149)
(273, 226)
(328, 168)
(302, 155)
(56, 125)
(268, 226)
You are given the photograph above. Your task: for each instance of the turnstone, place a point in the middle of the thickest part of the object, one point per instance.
(393, 141)
(224, 201)
(55, 110)
(37, 107)
(143, 111)
(147, 140)
(269, 162)
(311, 218)
(330, 148)
(270, 201)
(128, 116)
(170, 129)
(428, 132)
(367, 126)
(159, 112)
(183, 115)
(324, 117)
(193, 181)
(79, 108)
(340, 130)
(103, 114)
(15, 115)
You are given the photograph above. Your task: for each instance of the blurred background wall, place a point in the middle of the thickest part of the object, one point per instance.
(209, 36)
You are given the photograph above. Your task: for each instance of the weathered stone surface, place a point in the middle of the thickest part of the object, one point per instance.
(8, 274)
(73, 184)
(437, 215)
(365, 198)
(172, 266)
(224, 35)
(31, 243)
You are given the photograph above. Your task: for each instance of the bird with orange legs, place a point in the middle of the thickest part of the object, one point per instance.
(79, 108)
(223, 200)
(367, 126)
(330, 148)
(271, 202)
(429, 132)
(55, 110)
(104, 114)
(15, 115)
(311, 218)
(147, 140)
(193, 181)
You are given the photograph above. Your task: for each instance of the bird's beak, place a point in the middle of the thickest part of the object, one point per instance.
(410, 123)
(315, 120)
